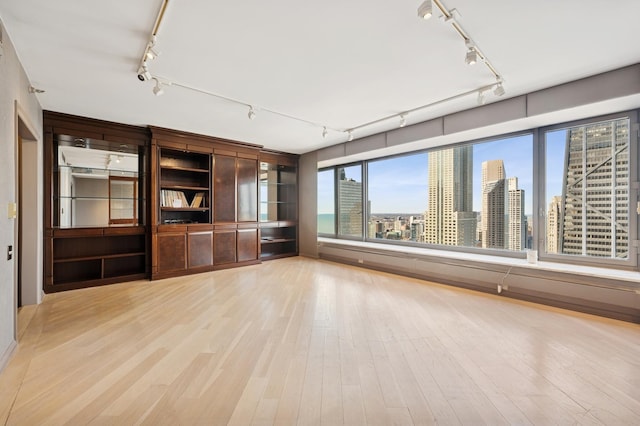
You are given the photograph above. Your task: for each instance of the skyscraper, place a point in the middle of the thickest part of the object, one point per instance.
(493, 204)
(349, 206)
(516, 220)
(554, 217)
(449, 218)
(596, 190)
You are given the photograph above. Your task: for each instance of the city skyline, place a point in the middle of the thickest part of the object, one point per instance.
(399, 185)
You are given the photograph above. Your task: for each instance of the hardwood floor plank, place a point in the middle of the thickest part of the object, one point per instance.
(310, 342)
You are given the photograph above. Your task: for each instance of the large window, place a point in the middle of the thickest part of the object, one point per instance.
(480, 196)
(476, 195)
(587, 190)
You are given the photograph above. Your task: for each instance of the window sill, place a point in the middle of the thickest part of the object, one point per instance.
(632, 277)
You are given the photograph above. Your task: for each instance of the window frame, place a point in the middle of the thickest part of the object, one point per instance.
(538, 208)
(631, 262)
(335, 203)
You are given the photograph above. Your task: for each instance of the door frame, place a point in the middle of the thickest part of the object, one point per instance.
(25, 133)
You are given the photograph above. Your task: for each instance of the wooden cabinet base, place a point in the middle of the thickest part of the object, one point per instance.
(203, 269)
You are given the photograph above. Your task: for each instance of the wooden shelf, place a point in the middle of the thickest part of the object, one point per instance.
(185, 169)
(184, 188)
(106, 256)
(276, 240)
(185, 209)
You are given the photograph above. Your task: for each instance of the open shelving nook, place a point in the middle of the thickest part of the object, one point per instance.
(185, 187)
(278, 206)
(95, 195)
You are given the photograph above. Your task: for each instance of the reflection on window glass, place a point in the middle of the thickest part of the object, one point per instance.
(350, 201)
(477, 195)
(587, 190)
(326, 202)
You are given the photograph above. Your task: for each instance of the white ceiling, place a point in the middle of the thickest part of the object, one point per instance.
(338, 64)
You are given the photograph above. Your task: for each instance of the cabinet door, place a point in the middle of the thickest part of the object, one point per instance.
(224, 246)
(247, 190)
(247, 244)
(224, 188)
(200, 249)
(172, 252)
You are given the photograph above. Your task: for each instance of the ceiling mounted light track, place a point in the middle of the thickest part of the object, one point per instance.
(425, 11)
(473, 54)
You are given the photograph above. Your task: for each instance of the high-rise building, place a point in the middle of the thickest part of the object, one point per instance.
(554, 215)
(493, 204)
(449, 218)
(596, 190)
(349, 206)
(516, 220)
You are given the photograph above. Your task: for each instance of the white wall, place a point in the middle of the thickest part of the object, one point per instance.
(14, 85)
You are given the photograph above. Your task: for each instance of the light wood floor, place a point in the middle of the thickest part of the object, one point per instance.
(301, 341)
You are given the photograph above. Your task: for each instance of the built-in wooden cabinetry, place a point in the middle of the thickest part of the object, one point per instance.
(221, 229)
(125, 202)
(95, 195)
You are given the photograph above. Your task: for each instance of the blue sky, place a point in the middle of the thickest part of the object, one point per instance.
(399, 184)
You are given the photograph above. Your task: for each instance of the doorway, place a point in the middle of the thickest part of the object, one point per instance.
(27, 247)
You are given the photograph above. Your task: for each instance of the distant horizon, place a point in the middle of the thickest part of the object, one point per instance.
(399, 185)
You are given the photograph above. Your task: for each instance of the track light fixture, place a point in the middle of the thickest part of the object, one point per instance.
(324, 132)
(472, 57)
(151, 54)
(498, 90)
(425, 10)
(157, 89)
(251, 114)
(481, 97)
(403, 120)
(472, 52)
(350, 138)
(143, 73)
(35, 90)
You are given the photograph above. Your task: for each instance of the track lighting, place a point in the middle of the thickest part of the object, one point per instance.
(481, 97)
(498, 90)
(35, 90)
(350, 135)
(472, 56)
(403, 120)
(151, 54)
(324, 132)
(425, 10)
(157, 89)
(251, 114)
(472, 52)
(143, 73)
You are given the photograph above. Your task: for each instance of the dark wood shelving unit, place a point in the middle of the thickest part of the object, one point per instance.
(188, 174)
(79, 255)
(278, 206)
(222, 233)
(159, 230)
